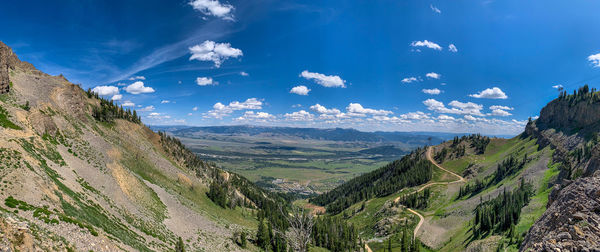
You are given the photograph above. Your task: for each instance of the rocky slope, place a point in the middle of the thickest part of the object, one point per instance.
(572, 222)
(69, 181)
(570, 125)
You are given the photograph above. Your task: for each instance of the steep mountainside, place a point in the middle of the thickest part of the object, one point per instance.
(535, 192)
(79, 173)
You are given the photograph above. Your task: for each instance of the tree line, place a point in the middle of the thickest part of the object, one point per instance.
(419, 200)
(500, 214)
(108, 111)
(412, 170)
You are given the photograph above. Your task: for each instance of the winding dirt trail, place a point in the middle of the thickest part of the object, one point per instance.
(460, 180)
(368, 248)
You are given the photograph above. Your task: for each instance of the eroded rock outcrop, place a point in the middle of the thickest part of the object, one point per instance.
(571, 223)
(9, 60)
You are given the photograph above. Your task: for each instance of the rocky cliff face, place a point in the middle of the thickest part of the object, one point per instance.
(9, 61)
(571, 223)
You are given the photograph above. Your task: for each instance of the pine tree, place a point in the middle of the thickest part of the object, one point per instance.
(179, 246)
(243, 241)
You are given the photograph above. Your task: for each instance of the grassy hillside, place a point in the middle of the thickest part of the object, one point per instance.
(447, 224)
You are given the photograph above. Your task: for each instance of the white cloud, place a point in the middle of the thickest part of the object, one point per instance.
(296, 105)
(165, 101)
(128, 104)
(323, 110)
(433, 75)
(106, 90)
(147, 109)
(117, 97)
(426, 43)
(357, 108)
(158, 116)
(301, 115)
(220, 110)
(324, 80)
(434, 91)
(205, 81)
(457, 107)
(195, 109)
(446, 118)
(558, 86)
(490, 93)
(594, 59)
(300, 90)
(500, 112)
(409, 79)
(259, 116)
(435, 9)
(251, 103)
(215, 52)
(137, 78)
(414, 116)
(501, 107)
(213, 8)
(452, 48)
(242, 73)
(138, 88)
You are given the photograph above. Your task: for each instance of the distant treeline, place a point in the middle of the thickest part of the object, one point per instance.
(109, 111)
(411, 170)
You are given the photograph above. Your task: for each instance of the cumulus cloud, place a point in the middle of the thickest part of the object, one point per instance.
(106, 90)
(213, 8)
(500, 112)
(258, 116)
(138, 88)
(456, 107)
(195, 109)
(323, 110)
(205, 81)
(301, 115)
(147, 109)
(158, 116)
(221, 110)
(435, 9)
(137, 78)
(558, 86)
(594, 59)
(300, 90)
(452, 48)
(324, 80)
(426, 43)
(165, 101)
(414, 116)
(117, 97)
(215, 52)
(433, 75)
(490, 93)
(357, 108)
(128, 104)
(433, 91)
(409, 79)
(501, 107)
(242, 73)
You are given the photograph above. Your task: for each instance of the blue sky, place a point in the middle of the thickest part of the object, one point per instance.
(370, 65)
